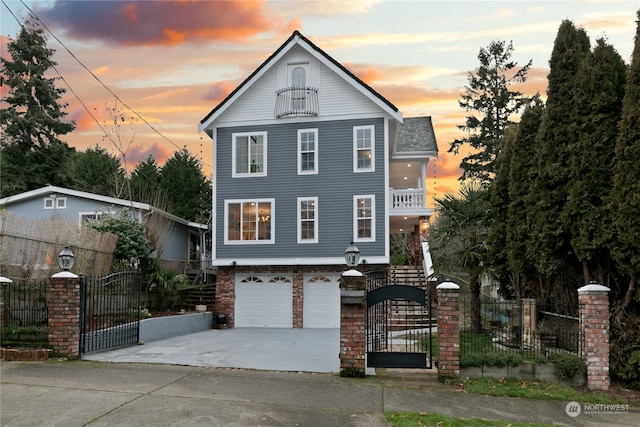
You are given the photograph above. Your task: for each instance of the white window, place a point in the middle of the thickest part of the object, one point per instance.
(53, 202)
(249, 154)
(249, 221)
(363, 149)
(364, 220)
(307, 151)
(307, 220)
(85, 217)
(298, 86)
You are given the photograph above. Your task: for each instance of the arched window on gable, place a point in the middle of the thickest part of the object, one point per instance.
(298, 84)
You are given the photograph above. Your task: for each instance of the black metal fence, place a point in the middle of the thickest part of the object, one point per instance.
(527, 326)
(109, 311)
(25, 304)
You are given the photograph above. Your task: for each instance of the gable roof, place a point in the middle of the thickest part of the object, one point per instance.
(52, 189)
(298, 39)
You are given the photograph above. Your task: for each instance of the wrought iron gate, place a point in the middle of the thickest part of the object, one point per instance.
(109, 311)
(398, 323)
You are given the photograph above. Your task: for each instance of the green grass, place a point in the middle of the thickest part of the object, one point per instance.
(532, 390)
(411, 419)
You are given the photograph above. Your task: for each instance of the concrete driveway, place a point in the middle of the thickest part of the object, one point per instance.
(305, 350)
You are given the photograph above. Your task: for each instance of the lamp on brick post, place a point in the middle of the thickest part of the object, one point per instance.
(63, 300)
(66, 259)
(352, 317)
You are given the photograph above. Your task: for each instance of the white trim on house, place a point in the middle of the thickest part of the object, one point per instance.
(300, 220)
(253, 169)
(255, 237)
(49, 189)
(260, 262)
(357, 198)
(265, 67)
(315, 152)
(371, 149)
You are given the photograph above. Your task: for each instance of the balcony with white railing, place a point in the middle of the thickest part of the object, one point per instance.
(412, 199)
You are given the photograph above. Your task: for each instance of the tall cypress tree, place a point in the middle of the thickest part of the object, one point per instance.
(549, 244)
(499, 200)
(599, 93)
(32, 118)
(625, 194)
(522, 172)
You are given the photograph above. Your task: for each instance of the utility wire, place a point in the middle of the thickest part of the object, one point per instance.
(71, 90)
(101, 83)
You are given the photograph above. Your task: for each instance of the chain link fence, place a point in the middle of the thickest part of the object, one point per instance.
(29, 248)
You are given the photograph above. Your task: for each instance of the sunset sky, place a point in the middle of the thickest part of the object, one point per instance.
(173, 61)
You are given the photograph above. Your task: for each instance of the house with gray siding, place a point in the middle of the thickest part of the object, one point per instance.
(308, 158)
(182, 242)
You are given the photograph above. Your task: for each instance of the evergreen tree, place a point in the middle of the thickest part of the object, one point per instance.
(187, 189)
(32, 119)
(97, 171)
(498, 211)
(145, 181)
(491, 104)
(600, 90)
(549, 243)
(519, 222)
(625, 194)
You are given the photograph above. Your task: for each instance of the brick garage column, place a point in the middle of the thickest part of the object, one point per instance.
(448, 331)
(225, 294)
(352, 324)
(593, 303)
(64, 314)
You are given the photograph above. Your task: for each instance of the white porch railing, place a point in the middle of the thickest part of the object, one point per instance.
(408, 199)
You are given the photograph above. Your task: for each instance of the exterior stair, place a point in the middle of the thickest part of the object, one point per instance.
(406, 314)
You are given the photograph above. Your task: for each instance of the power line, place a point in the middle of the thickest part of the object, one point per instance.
(100, 82)
(75, 94)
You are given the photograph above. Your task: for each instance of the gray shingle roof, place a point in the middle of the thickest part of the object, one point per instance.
(416, 136)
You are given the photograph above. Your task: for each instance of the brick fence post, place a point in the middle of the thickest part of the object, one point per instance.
(4, 281)
(64, 314)
(593, 303)
(352, 324)
(448, 331)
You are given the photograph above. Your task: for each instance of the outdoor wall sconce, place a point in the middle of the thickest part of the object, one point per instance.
(66, 259)
(352, 256)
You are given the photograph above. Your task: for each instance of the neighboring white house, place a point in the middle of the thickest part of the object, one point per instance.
(308, 158)
(182, 242)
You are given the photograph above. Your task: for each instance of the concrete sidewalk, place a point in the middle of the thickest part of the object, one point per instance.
(84, 393)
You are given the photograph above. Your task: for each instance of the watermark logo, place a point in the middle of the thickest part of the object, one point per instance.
(573, 409)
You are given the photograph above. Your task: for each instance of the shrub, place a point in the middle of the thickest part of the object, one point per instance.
(567, 365)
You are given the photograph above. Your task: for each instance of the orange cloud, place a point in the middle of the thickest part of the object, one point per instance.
(219, 91)
(369, 75)
(152, 23)
(83, 120)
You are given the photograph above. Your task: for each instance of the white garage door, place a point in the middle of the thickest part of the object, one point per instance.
(321, 306)
(264, 302)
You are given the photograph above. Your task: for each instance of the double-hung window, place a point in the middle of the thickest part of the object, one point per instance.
(364, 220)
(307, 151)
(363, 149)
(249, 154)
(307, 220)
(249, 221)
